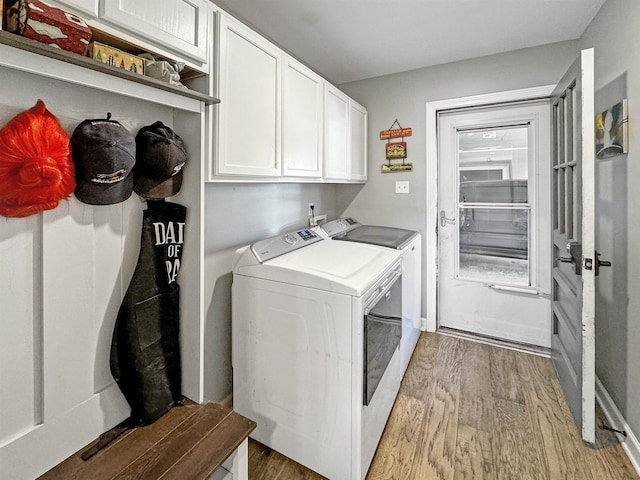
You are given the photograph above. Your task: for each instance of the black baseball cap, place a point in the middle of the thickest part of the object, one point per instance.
(160, 158)
(104, 153)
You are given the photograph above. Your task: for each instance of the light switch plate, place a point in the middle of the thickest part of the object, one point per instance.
(402, 187)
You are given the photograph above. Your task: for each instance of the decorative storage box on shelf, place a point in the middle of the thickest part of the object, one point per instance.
(53, 26)
(113, 56)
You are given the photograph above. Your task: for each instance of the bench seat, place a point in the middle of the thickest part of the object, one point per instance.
(189, 442)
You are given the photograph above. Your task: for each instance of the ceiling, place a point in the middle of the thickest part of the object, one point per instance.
(348, 40)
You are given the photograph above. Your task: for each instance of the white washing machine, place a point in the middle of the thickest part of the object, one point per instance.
(315, 361)
(409, 244)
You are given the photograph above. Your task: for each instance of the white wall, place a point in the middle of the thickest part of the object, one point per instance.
(404, 96)
(614, 34)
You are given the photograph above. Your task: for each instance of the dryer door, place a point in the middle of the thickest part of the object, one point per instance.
(382, 334)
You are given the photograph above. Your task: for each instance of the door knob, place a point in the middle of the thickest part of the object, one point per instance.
(575, 256)
(600, 263)
(564, 259)
(444, 220)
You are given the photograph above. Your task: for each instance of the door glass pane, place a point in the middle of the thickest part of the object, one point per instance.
(494, 245)
(494, 165)
(493, 207)
(562, 226)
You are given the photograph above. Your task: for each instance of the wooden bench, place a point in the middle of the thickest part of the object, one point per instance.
(189, 442)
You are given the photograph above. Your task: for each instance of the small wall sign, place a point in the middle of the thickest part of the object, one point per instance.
(396, 133)
(396, 150)
(397, 167)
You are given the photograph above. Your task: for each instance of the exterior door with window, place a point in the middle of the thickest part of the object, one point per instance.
(493, 233)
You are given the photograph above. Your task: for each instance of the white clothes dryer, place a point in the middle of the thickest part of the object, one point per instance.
(409, 244)
(315, 363)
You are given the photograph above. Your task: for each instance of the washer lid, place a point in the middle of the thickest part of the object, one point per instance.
(389, 237)
(340, 267)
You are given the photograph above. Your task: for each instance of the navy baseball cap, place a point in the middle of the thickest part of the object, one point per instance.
(104, 154)
(160, 158)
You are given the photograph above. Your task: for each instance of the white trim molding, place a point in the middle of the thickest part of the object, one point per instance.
(431, 237)
(616, 420)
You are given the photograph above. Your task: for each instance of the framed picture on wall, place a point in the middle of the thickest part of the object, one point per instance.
(612, 134)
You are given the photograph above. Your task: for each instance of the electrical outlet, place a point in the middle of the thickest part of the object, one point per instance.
(310, 207)
(402, 187)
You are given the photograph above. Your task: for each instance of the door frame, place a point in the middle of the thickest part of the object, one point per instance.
(431, 182)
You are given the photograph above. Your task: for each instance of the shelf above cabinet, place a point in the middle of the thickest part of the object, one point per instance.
(25, 44)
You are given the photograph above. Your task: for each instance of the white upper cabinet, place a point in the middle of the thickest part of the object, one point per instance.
(336, 134)
(345, 138)
(277, 120)
(303, 94)
(358, 138)
(249, 112)
(178, 25)
(89, 7)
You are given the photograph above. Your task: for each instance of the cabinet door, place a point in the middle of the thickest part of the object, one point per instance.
(358, 137)
(302, 98)
(179, 25)
(249, 112)
(89, 7)
(336, 145)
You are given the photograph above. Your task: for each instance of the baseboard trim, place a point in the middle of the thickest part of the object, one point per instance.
(227, 401)
(630, 442)
(428, 324)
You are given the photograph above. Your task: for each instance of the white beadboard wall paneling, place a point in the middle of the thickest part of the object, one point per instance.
(113, 267)
(191, 277)
(64, 274)
(68, 305)
(21, 339)
(33, 453)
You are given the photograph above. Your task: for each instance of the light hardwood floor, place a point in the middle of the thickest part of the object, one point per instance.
(472, 411)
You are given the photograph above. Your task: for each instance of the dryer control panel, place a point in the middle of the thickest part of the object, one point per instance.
(275, 246)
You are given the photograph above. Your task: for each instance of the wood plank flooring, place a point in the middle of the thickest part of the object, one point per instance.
(472, 411)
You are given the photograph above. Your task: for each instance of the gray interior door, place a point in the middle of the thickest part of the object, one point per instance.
(573, 292)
